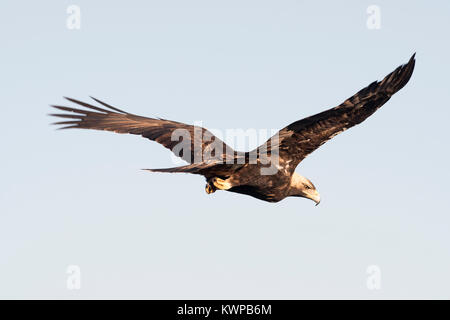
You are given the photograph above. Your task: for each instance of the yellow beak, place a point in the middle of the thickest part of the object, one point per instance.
(316, 198)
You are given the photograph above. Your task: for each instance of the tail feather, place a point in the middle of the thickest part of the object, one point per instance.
(170, 170)
(194, 168)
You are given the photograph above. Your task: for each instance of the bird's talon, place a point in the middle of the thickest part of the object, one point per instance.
(209, 189)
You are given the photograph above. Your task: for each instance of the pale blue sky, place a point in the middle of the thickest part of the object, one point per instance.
(79, 198)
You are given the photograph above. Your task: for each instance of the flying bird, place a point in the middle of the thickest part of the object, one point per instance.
(242, 172)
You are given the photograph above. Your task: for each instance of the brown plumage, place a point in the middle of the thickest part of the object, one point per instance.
(240, 172)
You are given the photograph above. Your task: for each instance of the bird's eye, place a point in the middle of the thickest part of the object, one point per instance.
(307, 187)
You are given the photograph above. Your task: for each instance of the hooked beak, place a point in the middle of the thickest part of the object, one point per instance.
(316, 198)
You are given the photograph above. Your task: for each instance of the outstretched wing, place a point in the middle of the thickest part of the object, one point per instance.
(302, 137)
(193, 144)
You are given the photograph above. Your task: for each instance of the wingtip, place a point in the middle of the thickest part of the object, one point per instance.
(66, 127)
(412, 62)
(404, 73)
(108, 105)
(70, 99)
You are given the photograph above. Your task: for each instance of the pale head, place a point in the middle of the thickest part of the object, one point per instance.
(302, 187)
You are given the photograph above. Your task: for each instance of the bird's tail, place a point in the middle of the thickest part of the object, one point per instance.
(183, 169)
(194, 168)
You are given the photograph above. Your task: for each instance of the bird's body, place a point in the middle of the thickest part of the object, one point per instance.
(266, 173)
(247, 179)
(272, 188)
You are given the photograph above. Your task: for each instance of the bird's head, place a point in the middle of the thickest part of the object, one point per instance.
(302, 187)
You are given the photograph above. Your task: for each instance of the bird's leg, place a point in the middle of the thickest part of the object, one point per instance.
(209, 188)
(221, 184)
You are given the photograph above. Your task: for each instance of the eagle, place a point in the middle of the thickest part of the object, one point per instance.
(243, 172)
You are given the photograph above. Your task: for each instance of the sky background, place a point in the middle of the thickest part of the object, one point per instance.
(78, 197)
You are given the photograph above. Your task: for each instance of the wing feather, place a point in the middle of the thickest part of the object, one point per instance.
(166, 132)
(299, 139)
